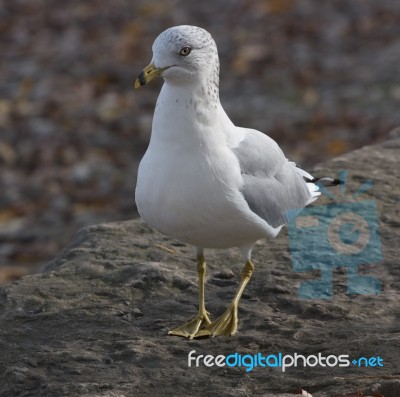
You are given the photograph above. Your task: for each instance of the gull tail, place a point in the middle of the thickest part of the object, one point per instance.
(324, 181)
(313, 184)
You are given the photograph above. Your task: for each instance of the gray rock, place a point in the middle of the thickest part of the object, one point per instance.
(95, 323)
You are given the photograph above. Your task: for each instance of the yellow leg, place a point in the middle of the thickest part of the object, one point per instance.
(191, 328)
(227, 324)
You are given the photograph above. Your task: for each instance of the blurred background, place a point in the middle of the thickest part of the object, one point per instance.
(320, 77)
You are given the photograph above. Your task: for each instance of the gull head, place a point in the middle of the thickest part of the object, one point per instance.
(182, 55)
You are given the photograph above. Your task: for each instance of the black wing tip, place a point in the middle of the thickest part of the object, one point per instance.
(337, 182)
(330, 181)
(325, 181)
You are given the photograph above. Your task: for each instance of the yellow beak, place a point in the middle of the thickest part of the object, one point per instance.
(149, 73)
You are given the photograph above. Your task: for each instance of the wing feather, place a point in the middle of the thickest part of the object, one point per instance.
(272, 186)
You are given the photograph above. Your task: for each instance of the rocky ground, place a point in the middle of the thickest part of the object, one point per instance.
(320, 77)
(95, 322)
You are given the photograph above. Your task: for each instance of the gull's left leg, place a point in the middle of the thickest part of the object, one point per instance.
(227, 324)
(191, 328)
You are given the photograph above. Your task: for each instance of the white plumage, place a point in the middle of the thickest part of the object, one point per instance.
(203, 180)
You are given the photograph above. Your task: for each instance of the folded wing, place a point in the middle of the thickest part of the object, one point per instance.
(273, 187)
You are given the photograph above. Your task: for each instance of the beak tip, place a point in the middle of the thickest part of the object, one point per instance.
(149, 73)
(141, 80)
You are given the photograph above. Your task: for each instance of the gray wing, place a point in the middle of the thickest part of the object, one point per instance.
(273, 187)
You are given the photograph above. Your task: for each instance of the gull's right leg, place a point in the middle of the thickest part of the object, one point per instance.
(192, 327)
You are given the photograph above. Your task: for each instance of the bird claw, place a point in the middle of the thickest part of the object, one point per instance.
(225, 325)
(191, 328)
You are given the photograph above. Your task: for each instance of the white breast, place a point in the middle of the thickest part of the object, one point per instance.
(189, 181)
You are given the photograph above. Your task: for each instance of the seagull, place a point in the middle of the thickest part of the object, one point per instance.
(205, 181)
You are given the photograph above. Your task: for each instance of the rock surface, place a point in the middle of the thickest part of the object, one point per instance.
(95, 323)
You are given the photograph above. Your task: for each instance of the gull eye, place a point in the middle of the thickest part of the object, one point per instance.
(185, 51)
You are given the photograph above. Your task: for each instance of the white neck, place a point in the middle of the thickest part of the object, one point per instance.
(192, 111)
